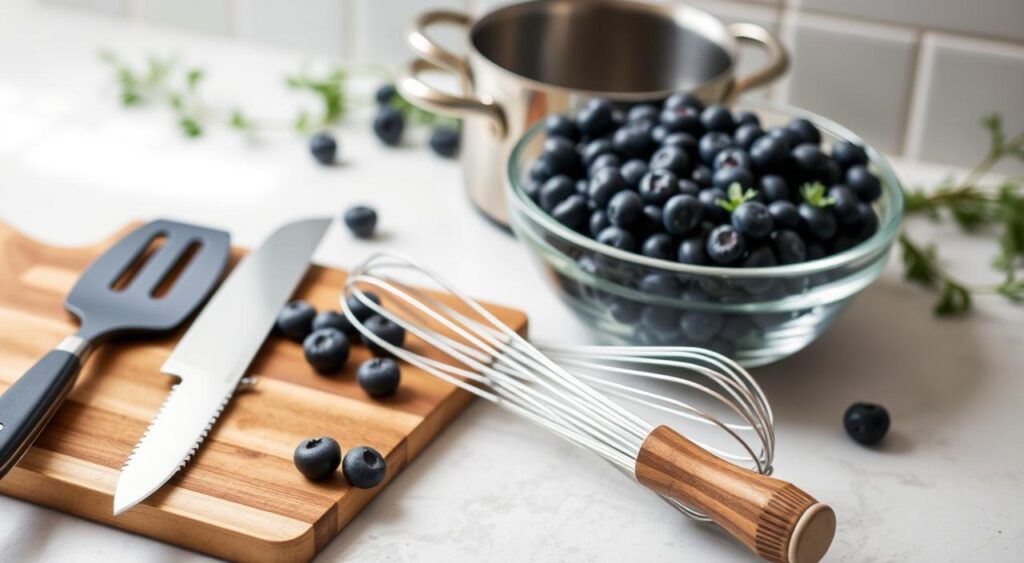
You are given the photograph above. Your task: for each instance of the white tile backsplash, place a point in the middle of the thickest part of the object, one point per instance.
(857, 74)
(207, 16)
(314, 26)
(997, 18)
(959, 81)
(108, 7)
(385, 26)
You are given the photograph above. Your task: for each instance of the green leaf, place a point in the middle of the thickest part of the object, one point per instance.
(814, 194)
(918, 263)
(190, 127)
(993, 122)
(192, 79)
(302, 122)
(239, 121)
(954, 301)
(737, 196)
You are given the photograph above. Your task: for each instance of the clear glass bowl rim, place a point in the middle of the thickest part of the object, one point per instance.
(892, 197)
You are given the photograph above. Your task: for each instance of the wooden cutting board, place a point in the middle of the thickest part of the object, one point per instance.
(240, 497)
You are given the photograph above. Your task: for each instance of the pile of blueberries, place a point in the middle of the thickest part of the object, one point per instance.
(703, 185)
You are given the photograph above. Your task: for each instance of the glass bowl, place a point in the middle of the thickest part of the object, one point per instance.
(754, 315)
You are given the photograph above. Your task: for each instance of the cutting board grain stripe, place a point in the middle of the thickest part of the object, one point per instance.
(240, 498)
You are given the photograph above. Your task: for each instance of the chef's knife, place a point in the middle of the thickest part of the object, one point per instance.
(213, 355)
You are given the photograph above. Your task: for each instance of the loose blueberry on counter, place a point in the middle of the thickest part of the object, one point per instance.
(673, 159)
(555, 190)
(804, 130)
(784, 214)
(691, 251)
(384, 94)
(379, 377)
(658, 186)
(386, 330)
(717, 118)
(817, 221)
(789, 247)
(847, 154)
(317, 458)
(360, 310)
(572, 212)
(561, 126)
(725, 245)
(324, 148)
(618, 238)
(633, 172)
(625, 208)
(752, 218)
(326, 350)
(444, 141)
(335, 320)
(863, 183)
(658, 246)
(364, 467)
(866, 423)
(682, 214)
(388, 125)
(711, 144)
(295, 321)
(361, 220)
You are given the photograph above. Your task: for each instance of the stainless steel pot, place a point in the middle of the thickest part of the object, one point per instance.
(526, 61)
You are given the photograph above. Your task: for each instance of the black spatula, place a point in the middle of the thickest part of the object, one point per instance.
(134, 287)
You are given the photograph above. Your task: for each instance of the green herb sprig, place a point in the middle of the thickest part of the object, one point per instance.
(814, 194)
(737, 195)
(977, 208)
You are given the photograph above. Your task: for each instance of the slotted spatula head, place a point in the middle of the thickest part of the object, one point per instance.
(139, 285)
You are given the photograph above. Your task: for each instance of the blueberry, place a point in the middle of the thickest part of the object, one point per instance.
(659, 133)
(773, 188)
(326, 349)
(597, 222)
(561, 155)
(745, 135)
(633, 171)
(760, 257)
(711, 144)
(364, 467)
(682, 214)
(866, 423)
(752, 219)
(335, 320)
(769, 154)
(632, 140)
(817, 221)
(845, 206)
(360, 310)
(681, 119)
(607, 160)
(379, 377)
(582, 186)
(725, 245)
(625, 208)
(842, 242)
(317, 458)
(388, 125)
(830, 172)
(814, 250)
(324, 148)
(618, 238)
(661, 321)
(555, 190)
(746, 117)
(732, 158)
(643, 112)
(386, 330)
(606, 183)
(809, 160)
(541, 169)
(725, 177)
(688, 187)
(295, 321)
(664, 285)
(701, 176)
(384, 94)
(624, 311)
(648, 223)
(361, 220)
(684, 99)
(691, 251)
(700, 327)
(684, 141)
(444, 141)
(717, 118)
(561, 126)
(785, 135)
(784, 214)
(658, 186)
(709, 199)
(673, 159)
(868, 224)
(863, 183)
(847, 154)
(658, 245)
(572, 212)
(594, 149)
(804, 130)
(595, 118)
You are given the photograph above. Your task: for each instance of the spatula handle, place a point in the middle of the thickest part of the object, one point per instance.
(28, 405)
(773, 518)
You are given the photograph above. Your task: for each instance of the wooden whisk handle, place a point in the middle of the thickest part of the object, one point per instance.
(775, 519)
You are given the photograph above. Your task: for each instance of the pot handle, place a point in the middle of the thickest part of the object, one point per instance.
(777, 64)
(428, 50)
(433, 100)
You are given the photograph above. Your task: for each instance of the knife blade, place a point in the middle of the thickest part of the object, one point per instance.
(213, 355)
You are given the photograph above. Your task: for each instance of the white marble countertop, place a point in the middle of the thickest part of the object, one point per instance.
(947, 485)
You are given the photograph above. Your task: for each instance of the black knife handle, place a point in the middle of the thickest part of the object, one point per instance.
(28, 405)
